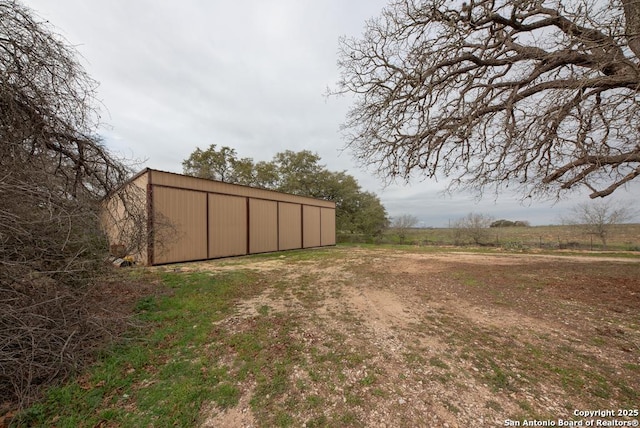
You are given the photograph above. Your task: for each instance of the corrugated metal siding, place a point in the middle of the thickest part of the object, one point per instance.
(193, 183)
(327, 226)
(311, 226)
(239, 219)
(120, 228)
(263, 226)
(289, 226)
(227, 226)
(187, 211)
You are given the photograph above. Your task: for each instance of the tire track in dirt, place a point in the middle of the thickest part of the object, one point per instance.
(399, 308)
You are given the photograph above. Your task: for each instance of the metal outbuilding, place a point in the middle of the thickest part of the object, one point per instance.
(188, 218)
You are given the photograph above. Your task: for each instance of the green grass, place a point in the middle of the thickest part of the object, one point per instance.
(187, 355)
(437, 362)
(162, 378)
(467, 279)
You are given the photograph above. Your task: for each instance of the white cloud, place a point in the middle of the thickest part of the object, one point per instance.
(249, 74)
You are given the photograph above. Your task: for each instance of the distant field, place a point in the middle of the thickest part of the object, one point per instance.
(624, 237)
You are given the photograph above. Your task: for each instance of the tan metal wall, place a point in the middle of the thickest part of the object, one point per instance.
(125, 232)
(263, 226)
(196, 219)
(193, 183)
(187, 211)
(289, 226)
(327, 226)
(227, 226)
(310, 226)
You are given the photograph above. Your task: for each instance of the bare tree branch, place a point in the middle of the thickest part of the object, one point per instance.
(54, 172)
(540, 94)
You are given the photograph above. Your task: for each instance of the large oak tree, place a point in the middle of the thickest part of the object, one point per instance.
(298, 173)
(540, 95)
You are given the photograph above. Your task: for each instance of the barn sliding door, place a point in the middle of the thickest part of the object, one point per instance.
(227, 226)
(311, 226)
(289, 226)
(180, 220)
(263, 226)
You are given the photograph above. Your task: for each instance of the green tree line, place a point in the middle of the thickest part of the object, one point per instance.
(297, 173)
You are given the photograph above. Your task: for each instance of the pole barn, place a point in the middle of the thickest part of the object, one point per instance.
(186, 218)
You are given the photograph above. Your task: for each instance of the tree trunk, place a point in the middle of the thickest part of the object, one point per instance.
(632, 16)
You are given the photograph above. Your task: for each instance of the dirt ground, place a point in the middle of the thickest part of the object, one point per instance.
(446, 339)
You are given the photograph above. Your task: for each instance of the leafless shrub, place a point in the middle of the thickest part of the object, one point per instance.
(472, 227)
(47, 331)
(125, 219)
(599, 218)
(54, 172)
(402, 224)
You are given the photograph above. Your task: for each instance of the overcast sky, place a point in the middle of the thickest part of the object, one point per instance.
(249, 74)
